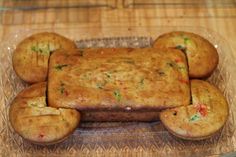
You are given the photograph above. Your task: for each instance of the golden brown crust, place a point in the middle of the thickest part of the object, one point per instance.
(200, 120)
(116, 79)
(34, 121)
(30, 58)
(119, 116)
(35, 90)
(202, 55)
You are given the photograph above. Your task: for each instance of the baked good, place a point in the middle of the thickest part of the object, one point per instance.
(118, 79)
(204, 117)
(34, 121)
(30, 58)
(201, 54)
(119, 116)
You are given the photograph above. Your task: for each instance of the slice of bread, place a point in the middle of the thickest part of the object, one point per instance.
(34, 121)
(204, 117)
(201, 54)
(30, 58)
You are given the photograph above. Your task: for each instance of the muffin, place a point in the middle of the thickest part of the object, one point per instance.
(34, 121)
(204, 117)
(30, 58)
(201, 54)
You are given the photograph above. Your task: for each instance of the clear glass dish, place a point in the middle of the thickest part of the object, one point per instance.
(118, 139)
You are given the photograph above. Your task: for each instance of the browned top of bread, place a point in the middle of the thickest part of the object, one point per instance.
(204, 117)
(35, 90)
(201, 54)
(118, 79)
(30, 58)
(34, 121)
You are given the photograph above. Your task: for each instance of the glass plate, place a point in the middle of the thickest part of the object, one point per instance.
(117, 139)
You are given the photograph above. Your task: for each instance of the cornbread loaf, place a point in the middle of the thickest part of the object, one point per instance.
(201, 54)
(30, 58)
(34, 121)
(118, 79)
(204, 117)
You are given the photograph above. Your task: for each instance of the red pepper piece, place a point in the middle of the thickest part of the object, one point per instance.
(184, 81)
(177, 60)
(41, 136)
(66, 93)
(202, 109)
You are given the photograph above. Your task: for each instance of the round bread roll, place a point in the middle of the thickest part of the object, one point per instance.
(30, 58)
(204, 117)
(201, 54)
(34, 121)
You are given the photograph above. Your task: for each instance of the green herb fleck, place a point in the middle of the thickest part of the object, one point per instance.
(62, 88)
(195, 117)
(182, 68)
(101, 85)
(160, 72)
(42, 49)
(186, 40)
(35, 48)
(33, 104)
(117, 95)
(170, 64)
(60, 66)
(180, 47)
(48, 47)
(108, 75)
(142, 81)
(207, 90)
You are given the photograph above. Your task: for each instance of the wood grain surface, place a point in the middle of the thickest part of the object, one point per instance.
(219, 18)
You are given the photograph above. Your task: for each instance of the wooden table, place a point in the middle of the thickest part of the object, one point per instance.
(219, 19)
